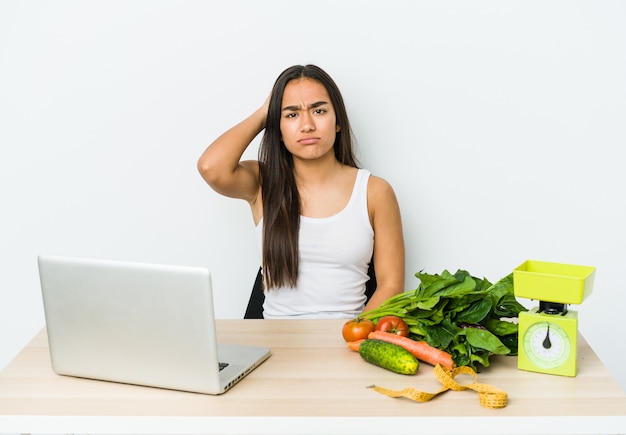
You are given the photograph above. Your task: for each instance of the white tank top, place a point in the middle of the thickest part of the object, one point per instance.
(335, 253)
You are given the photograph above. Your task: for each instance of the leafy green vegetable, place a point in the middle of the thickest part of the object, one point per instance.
(460, 314)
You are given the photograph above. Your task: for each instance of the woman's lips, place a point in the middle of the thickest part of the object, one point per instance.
(309, 140)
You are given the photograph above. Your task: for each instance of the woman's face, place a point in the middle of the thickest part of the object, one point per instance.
(308, 123)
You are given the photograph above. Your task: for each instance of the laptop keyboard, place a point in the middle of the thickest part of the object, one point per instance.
(222, 366)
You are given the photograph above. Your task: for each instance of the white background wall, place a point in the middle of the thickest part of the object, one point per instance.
(501, 126)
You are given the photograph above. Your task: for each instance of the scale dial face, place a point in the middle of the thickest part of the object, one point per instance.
(547, 345)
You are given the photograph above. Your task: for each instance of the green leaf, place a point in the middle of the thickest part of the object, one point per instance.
(458, 289)
(475, 313)
(460, 352)
(459, 304)
(500, 327)
(483, 339)
(428, 303)
(502, 287)
(430, 284)
(508, 306)
(481, 357)
(511, 341)
(441, 335)
(482, 284)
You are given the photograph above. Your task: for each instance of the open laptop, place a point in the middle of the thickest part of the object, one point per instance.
(136, 323)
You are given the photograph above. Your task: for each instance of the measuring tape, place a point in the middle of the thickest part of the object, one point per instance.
(488, 396)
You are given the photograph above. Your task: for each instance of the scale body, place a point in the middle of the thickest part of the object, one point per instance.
(548, 342)
(548, 334)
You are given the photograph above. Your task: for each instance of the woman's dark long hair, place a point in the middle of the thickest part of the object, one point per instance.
(281, 199)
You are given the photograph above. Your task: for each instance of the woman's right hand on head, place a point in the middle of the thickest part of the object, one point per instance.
(264, 109)
(220, 165)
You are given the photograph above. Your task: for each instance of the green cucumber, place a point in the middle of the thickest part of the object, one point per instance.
(388, 356)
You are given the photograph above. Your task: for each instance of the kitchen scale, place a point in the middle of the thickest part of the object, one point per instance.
(548, 334)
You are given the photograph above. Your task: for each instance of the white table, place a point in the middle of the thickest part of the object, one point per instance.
(311, 384)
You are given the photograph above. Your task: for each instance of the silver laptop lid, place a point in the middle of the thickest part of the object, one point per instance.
(131, 322)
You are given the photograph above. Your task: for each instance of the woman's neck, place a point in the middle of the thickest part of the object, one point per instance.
(316, 172)
(325, 190)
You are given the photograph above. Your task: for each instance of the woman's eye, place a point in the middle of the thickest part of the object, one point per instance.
(320, 111)
(290, 115)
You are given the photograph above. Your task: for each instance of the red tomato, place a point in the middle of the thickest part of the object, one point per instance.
(357, 329)
(393, 325)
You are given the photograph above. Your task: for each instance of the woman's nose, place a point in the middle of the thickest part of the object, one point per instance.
(307, 123)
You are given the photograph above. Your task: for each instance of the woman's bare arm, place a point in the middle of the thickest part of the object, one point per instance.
(388, 241)
(221, 167)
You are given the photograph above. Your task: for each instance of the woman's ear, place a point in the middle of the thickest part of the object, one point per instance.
(337, 128)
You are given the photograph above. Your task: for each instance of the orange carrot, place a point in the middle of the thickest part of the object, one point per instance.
(420, 349)
(354, 345)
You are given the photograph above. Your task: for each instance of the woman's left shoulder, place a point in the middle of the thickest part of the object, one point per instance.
(379, 190)
(382, 204)
(378, 184)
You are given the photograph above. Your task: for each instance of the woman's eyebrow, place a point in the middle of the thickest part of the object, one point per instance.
(295, 108)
